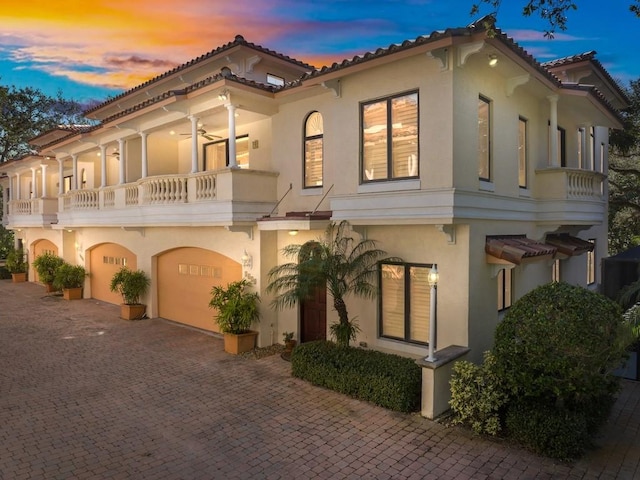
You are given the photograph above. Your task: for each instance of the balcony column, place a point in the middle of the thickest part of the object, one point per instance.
(74, 178)
(145, 163)
(5, 200)
(233, 162)
(194, 143)
(34, 185)
(60, 176)
(103, 166)
(123, 160)
(553, 131)
(44, 179)
(18, 189)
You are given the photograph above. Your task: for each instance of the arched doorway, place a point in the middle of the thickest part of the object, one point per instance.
(313, 311)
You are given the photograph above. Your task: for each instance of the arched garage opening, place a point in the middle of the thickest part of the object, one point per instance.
(38, 248)
(185, 277)
(107, 259)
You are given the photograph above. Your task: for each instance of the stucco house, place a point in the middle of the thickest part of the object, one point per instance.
(456, 150)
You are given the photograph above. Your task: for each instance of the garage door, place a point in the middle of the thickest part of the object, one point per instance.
(107, 259)
(185, 278)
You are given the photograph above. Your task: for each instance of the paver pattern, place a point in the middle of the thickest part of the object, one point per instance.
(85, 395)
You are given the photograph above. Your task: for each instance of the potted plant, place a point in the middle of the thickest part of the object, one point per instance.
(289, 341)
(132, 285)
(16, 265)
(46, 265)
(237, 311)
(70, 279)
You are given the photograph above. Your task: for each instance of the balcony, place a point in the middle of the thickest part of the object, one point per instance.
(224, 197)
(568, 184)
(34, 212)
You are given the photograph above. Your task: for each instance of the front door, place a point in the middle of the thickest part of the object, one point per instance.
(313, 317)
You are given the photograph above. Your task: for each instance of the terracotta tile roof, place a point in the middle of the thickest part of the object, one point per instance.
(569, 245)
(517, 249)
(237, 41)
(589, 56)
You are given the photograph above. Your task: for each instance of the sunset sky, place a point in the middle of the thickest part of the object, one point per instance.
(94, 49)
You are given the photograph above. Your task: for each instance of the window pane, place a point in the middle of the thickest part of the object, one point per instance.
(591, 265)
(404, 134)
(392, 301)
(522, 153)
(420, 304)
(216, 155)
(483, 139)
(313, 150)
(242, 152)
(374, 136)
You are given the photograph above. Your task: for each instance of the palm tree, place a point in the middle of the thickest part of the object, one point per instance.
(337, 261)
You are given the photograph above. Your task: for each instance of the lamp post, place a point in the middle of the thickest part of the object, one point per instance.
(432, 278)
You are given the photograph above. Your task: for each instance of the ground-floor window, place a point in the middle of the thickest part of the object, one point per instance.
(404, 302)
(591, 264)
(555, 270)
(505, 289)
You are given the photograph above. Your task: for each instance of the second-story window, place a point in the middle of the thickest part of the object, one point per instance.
(522, 152)
(484, 138)
(581, 147)
(561, 152)
(216, 154)
(505, 289)
(313, 143)
(389, 136)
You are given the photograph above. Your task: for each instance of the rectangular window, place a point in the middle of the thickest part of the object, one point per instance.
(216, 154)
(555, 271)
(561, 148)
(581, 148)
(592, 145)
(67, 184)
(405, 302)
(591, 264)
(601, 163)
(484, 138)
(389, 136)
(522, 153)
(505, 290)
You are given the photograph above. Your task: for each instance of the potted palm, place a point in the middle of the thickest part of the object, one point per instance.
(132, 285)
(70, 279)
(46, 265)
(237, 311)
(16, 265)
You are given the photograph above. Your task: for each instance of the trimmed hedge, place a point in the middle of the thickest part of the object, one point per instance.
(387, 380)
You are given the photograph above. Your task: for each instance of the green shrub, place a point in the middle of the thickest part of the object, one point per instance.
(477, 395)
(548, 430)
(389, 381)
(4, 273)
(560, 342)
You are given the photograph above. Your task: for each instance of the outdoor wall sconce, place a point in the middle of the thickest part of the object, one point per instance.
(246, 260)
(293, 233)
(493, 60)
(432, 279)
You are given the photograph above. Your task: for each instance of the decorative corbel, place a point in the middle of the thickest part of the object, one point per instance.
(449, 231)
(241, 228)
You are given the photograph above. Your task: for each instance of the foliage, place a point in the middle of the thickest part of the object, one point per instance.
(478, 396)
(554, 432)
(6, 236)
(632, 318)
(287, 336)
(131, 284)
(46, 264)
(624, 177)
(387, 380)
(16, 262)
(26, 113)
(237, 308)
(69, 276)
(554, 12)
(344, 332)
(560, 341)
(337, 261)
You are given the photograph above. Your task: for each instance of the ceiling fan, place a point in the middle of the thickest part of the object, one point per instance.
(203, 133)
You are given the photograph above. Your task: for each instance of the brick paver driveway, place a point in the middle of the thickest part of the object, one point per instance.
(85, 395)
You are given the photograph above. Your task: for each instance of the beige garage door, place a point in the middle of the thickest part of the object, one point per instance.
(185, 278)
(107, 259)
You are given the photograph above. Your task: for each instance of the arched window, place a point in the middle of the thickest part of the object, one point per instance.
(313, 137)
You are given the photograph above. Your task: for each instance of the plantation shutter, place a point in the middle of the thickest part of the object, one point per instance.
(392, 301)
(420, 304)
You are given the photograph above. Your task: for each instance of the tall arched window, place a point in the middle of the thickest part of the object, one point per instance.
(313, 137)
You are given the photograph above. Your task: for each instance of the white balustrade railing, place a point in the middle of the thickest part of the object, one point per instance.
(205, 186)
(20, 207)
(84, 199)
(582, 184)
(131, 195)
(165, 190)
(109, 198)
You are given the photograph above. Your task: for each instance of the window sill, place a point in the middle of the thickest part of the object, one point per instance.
(390, 186)
(487, 186)
(525, 192)
(311, 192)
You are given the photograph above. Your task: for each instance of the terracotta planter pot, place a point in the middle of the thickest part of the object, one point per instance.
(49, 287)
(72, 293)
(132, 312)
(240, 343)
(19, 277)
(289, 345)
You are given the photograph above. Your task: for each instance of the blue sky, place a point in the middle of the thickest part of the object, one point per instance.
(94, 49)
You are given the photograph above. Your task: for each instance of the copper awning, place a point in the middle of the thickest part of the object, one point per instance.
(568, 245)
(518, 249)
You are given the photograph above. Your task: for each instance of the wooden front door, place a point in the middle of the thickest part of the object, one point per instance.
(313, 317)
